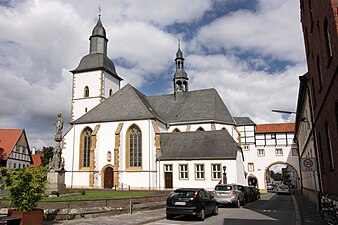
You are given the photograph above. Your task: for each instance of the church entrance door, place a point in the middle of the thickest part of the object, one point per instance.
(108, 178)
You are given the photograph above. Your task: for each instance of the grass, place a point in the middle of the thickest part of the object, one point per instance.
(99, 195)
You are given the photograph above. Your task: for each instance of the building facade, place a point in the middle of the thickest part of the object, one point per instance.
(266, 145)
(320, 24)
(16, 152)
(121, 138)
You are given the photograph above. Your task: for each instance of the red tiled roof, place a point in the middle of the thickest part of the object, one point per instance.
(36, 160)
(8, 139)
(275, 128)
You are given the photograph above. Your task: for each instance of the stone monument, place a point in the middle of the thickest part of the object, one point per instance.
(56, 170)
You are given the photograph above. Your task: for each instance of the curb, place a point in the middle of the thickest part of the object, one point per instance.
(297, 212)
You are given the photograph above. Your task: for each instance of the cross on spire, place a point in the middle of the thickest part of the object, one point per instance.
(99, 10)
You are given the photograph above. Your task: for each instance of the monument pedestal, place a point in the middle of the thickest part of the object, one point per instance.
(56, 182)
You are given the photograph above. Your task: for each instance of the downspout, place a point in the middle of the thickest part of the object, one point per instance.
(149, 152)
(71, 182)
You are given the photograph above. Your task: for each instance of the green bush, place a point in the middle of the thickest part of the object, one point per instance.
(82, 192)
(26, 186)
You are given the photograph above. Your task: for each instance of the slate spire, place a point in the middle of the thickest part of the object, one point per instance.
(98, 40)
(180, 76)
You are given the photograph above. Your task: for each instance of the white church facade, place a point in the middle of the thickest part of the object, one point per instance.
(121, 138)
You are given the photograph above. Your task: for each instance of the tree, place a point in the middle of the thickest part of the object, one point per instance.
(2, 156)
(26, 186)
(47, 155)
(286, 178)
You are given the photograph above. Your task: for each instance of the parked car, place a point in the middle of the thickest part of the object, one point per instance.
(283, 189)
(270, 186)
(191, 201)
(249, 196)
(256, 192)
(229, 194)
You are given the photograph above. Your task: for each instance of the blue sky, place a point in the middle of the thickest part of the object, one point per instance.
(252, 52)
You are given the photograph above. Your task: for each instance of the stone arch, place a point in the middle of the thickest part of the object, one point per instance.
(280, 162)
(108, 167)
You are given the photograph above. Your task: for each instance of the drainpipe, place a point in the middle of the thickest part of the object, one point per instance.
(71, 183)
(149, 150)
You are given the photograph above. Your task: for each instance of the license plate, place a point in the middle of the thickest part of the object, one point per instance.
(179, 203)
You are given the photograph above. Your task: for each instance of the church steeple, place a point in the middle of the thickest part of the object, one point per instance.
(180, 77)
(98, 40)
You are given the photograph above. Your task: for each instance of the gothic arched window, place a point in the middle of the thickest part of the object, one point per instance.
(134, 147)
(85, 147)
(86, 92)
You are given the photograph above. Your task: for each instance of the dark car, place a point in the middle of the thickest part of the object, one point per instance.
(248, 194)
(256, 192)
(191, 201)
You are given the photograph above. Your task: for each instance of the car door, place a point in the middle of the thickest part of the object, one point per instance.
(208, 201)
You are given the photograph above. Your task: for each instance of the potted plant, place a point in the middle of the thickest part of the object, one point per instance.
(26, 187)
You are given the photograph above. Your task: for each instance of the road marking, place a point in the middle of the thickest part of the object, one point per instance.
(297, 212)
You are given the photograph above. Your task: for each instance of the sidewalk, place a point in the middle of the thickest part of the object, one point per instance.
(307, 211)
(141, 217)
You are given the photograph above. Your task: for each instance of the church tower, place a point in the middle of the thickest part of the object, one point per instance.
(180, 77)
(95, 78)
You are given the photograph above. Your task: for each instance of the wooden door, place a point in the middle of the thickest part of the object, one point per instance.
(109, 178)
(168, 176)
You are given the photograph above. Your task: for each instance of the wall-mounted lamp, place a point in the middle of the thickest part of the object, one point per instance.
(302, 118)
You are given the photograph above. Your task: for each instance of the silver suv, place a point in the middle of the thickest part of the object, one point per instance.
(229, 194)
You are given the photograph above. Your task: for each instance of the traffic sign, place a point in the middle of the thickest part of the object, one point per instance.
(308, 164)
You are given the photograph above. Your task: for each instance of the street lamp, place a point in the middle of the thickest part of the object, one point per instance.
(224, 175)
(302, 118)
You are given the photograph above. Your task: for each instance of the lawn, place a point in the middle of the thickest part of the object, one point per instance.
(100, 194)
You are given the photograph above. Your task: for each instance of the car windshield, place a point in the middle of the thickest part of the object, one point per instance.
(183, 194)
(223, 188)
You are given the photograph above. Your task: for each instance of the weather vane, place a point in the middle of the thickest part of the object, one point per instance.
(99, 10)
(179, 42)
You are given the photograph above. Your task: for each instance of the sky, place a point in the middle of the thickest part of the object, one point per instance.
(250, 51)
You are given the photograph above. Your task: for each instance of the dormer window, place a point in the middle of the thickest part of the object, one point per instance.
(86, 92)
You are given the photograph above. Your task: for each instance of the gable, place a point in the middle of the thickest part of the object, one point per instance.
(9, 138)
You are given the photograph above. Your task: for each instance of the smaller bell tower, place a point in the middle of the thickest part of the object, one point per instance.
(180, 77)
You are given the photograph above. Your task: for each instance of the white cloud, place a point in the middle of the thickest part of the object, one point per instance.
(273, 30)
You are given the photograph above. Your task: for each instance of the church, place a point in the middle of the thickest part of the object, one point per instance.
(121, 138)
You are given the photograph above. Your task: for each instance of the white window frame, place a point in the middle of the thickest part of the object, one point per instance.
(183, 171)
(277, 152)
(216, 173)
(262, 154)
(251, 167)
(199, 172)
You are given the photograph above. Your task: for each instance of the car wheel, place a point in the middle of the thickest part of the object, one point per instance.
(202, 215)
(170, 217)
(243, 202)
(216, 210)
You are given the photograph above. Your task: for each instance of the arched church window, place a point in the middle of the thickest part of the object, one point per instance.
(85, 147)
(110, 92)
(86, 92)
(134, 147)
(200, 129)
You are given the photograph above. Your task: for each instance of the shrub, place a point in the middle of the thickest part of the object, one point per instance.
(26, 186)
(82, 192)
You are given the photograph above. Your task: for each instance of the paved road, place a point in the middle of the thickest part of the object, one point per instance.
(272, 209)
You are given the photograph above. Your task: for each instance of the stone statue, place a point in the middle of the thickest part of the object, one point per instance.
(59, 124)
(56, 163)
